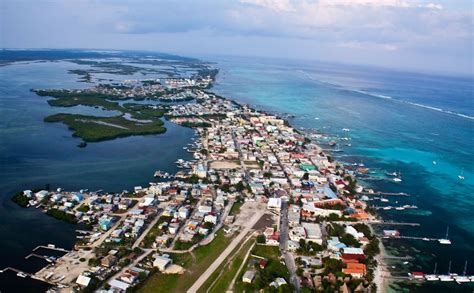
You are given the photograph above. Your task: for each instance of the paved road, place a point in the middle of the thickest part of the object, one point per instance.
(200, 281)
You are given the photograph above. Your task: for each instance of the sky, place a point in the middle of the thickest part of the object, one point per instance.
(430, 36)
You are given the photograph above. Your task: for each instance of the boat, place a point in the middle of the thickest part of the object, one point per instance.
(384, 200)
(448, 277)
(431, 278)
(426, 239)
(445, 240)
(387, 208)
(434, 162)
(461, 176)
(399, 208)
(346, 129)
(397, 179)
(463, 278)
(21, 274)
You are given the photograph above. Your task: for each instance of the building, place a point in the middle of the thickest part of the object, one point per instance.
(356, 270)
(274, 203)
(83, 281)
(313, 232)
(248, 277)
(161, 262)
(108, 261)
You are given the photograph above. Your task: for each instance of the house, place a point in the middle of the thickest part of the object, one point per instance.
(108, 261)
(210, 219)
(161, 262)
(353, 253)
(105, 223)
(83, 281)
(278, 282)
(274, 203)
(118, 285)
(41, 194)
(335, 245)
(183, 213)
(248, 277)
(356, 270)
(313, 232)
(274, 239)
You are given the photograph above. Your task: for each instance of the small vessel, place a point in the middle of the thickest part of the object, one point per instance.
(463, 278)
(346, 129)
(448, 277)
(384, 200)
(461, 176)
(21, 274)
(445, 240)
(399, 208)
(434, 276)
(434, 162)
(396, 179)
(426, 239)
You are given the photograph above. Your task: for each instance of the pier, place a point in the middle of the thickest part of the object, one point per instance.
(16, 271)
(394, 223)
(398, 257)
(52, 247)
(378, 193)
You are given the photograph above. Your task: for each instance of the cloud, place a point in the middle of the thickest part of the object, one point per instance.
(397, 27)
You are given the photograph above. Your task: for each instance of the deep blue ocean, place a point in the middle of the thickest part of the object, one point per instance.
(398, 121)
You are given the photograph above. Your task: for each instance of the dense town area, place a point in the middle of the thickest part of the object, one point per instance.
(259, 207)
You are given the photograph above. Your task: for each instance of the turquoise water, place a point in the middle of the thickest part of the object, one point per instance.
(398, 121)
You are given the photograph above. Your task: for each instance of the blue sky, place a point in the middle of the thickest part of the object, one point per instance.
(411, 34)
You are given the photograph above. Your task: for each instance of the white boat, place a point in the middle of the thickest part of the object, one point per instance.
(399, 208)
(397, 179)
(446, 278)
(384, 200)
(434, 163)
(461, 176)
(21, 274)
(445, 240)
(432, 277)
(461, 279)
(426, 239)
(346, 129)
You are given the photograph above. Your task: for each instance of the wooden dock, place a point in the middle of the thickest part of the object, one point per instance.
(51, 248)
(389, 223)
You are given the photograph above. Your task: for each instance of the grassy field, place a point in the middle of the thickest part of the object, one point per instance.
(236, 208)
(220, 280)
(204, 256)
(91, 128)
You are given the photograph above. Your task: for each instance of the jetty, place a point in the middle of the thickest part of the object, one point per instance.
(394, 223)
(379, 193)
(51, 247)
